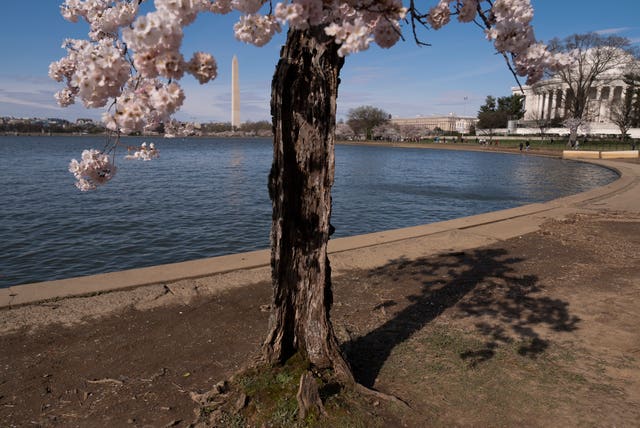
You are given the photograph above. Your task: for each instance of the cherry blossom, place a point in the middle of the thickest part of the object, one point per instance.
(440, 15)
(203, 67)
(467, 11)
(144, 152)
(95, 168)
(256, 29)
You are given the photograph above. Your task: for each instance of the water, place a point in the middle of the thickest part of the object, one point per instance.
(208, 197)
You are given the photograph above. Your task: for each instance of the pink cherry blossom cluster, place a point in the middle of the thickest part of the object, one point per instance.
(173, 129)
(144, 105)
(95, 72)
(509, 27)
(144, 152)
(353, 24)
(104, 16)
(95, 168)
(439, 15)
(203, 67)
(256, 29)
(125, 58)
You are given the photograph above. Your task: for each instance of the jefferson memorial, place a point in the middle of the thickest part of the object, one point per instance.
(546, 101)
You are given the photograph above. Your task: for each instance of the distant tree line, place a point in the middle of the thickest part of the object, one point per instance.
(43, 127)
(60, 126)
(250, 127)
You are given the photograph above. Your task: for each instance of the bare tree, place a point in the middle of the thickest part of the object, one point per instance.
(596, 60)
(632, 95)
(542, 124)
(622, 114)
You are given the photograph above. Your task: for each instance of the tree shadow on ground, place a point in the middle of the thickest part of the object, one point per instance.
(481, 283)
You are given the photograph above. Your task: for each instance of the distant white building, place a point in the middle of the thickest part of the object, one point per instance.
(548, 100)
(429, 124)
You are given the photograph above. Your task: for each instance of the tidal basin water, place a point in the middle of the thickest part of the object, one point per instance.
(208, 197)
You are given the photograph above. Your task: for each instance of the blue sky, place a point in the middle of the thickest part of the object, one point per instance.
(454, 75)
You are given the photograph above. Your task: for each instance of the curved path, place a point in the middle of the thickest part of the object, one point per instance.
(363, 251)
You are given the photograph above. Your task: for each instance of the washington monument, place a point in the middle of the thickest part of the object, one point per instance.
(235, 94)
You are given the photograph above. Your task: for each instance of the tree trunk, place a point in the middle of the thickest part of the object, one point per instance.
(303, 107)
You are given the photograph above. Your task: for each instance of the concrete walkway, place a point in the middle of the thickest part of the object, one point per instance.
(363, 251)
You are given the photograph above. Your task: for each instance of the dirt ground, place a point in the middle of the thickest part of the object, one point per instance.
(540, 330)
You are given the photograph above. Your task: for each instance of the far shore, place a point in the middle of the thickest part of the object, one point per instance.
(466, 146)
(540, 147)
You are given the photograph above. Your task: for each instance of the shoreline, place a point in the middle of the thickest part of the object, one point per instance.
(458, 147)
(361, 251)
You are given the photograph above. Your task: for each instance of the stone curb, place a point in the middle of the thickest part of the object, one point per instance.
(593, 154)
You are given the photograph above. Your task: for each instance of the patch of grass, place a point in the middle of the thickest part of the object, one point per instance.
(271, 392)
(272, 402)
(232, 420)
(464, 375)
(458, 376)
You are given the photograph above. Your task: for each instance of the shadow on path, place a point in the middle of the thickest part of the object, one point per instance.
(480, 283)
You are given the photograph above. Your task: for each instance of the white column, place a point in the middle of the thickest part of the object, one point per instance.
(560, 103)
(604, 105)
(529, 104)
(554, 104)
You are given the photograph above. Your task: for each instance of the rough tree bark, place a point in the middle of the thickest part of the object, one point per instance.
(303, 107)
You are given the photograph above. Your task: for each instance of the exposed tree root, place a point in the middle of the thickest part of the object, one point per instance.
(381, 395)
(106, 380)
(308, 397)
